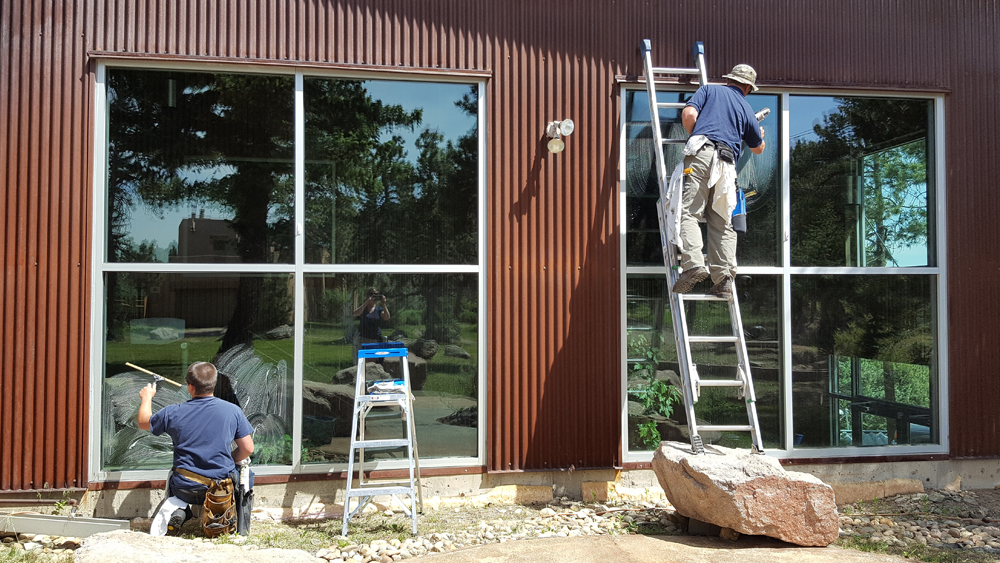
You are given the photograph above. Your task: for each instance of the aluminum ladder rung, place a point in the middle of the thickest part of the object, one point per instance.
(375, 444)
(670, 70)
(713, 339)
(378, 491)
(726, 428)
(701, 297)
(721, 383)
(690, 382)
(382, 398)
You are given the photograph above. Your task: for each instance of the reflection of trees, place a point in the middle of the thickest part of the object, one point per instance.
(859, 191)
(170, 136)
(368, 203)
(882, 141)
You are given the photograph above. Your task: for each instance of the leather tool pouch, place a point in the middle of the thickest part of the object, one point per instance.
(219, 511)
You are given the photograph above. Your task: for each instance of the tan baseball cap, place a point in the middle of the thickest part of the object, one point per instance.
(744, 74)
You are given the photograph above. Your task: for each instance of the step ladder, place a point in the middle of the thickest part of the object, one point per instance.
(380, 395)
(690, 381)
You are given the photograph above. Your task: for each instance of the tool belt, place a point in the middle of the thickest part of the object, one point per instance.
(219, 510)
(725, 153)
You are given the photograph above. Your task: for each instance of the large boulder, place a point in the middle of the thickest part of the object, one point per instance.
(749, 493)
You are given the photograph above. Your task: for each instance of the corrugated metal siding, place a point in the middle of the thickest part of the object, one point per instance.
(553, 279)
(44, 143)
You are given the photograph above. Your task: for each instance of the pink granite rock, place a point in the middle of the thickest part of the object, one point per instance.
(747, 492)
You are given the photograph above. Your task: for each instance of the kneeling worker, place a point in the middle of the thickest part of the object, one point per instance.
(202, 430)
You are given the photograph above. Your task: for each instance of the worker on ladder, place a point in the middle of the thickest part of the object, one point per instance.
(719, 120)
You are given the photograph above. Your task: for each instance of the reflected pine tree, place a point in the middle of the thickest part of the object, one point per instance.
(859, 194)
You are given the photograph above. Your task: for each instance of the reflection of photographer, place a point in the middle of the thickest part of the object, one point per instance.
(371, 313)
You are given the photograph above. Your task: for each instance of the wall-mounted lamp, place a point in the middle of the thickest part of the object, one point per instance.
(171, 93)
(557, 129)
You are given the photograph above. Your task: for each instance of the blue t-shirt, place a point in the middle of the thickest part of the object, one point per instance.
(371, 323)
(202, 430)
(724, 116)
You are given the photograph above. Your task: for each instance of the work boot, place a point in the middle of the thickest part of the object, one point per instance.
(177, 519)
(723, 289)
(688, 278)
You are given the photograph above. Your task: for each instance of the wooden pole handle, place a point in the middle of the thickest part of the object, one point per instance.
(156, 375)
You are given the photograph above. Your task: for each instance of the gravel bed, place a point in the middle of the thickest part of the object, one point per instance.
(937, 519)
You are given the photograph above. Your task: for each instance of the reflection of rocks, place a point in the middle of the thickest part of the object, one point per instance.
(456, 352)
(372, 371)
(390, 368)
(426, 349)
(164, 333)
(282, 332)
(327, 408)
(467, 416)
(673, 431)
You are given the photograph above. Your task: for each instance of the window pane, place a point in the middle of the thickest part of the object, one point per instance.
(758, 175)
(652, 363)
(437, 317)
(860, 188)
(391, 172)
(863, 360)
(163, 323)
(199, 167)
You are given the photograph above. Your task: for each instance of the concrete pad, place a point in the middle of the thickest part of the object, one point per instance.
(644, 549)
(849, 493)
(610, 491)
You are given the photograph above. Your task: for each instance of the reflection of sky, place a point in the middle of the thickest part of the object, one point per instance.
(437, 102)
(804, 113)
(439, 112)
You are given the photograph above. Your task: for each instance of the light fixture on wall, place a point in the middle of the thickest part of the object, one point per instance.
(555, 130)
(171, 93)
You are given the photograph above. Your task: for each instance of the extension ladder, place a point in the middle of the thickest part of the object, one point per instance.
(381, 394)
(690, 381)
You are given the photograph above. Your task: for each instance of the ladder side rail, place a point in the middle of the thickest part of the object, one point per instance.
(412, 429)
(358, 384)
(749, 395)
(678, 318)
(654, 114)
(699, 59)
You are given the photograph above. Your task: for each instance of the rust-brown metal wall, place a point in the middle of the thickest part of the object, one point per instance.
(45, 141)
(553, 249)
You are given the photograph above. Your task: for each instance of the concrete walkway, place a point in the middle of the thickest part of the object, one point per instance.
(650, 549)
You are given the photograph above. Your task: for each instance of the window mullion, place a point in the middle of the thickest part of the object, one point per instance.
(299, 330)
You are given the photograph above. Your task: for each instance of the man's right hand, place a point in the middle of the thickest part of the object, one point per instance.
(146, 406)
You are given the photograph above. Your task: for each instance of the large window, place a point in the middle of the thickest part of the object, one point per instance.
(224, 240)
(842, 340)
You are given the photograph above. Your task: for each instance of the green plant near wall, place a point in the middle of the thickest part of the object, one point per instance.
(657, 396)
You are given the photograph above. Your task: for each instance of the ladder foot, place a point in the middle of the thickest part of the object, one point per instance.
(696, 444)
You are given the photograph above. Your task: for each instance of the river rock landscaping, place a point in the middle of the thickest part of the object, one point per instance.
(935, 526)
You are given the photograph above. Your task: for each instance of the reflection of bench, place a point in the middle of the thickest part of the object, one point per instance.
(910, 420)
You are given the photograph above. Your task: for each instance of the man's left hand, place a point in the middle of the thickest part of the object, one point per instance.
(148, 391)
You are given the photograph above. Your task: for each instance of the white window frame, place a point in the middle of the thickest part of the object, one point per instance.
(785, 272)
(100, 265)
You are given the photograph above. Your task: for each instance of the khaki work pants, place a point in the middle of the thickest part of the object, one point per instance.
(696, 204)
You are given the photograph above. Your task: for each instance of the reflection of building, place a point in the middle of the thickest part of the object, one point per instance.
(555, 239)
(206, 240)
